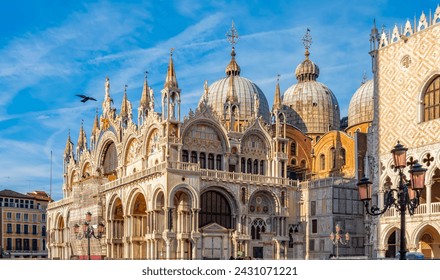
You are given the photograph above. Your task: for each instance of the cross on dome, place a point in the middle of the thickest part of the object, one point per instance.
(232, 35)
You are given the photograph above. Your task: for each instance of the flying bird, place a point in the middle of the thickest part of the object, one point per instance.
(85, 98)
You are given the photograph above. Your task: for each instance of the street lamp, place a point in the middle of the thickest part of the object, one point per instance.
(406, 196)
(88, 231)
(337, 239)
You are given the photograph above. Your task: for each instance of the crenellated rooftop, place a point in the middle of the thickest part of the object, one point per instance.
(411, 27)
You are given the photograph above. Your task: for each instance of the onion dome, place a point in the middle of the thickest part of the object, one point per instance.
(234, 89)
(360, 109)
(307, 70)
(315, 107)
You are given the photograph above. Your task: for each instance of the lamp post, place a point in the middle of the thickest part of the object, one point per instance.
(337, 238)
(88, 231)
(405, 197)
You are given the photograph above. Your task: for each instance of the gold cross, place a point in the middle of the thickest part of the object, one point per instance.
(232, 35)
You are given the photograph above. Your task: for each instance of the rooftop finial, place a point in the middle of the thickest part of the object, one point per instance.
(146, 74)
(232, 35)
(307, 42)
(364, 78)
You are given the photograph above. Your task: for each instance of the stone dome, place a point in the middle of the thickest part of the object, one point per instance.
(245, 90)
(307, 71)
(360, 109)
(315, 108)
(241, 90)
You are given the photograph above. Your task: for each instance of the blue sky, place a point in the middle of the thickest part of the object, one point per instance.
(52, 50)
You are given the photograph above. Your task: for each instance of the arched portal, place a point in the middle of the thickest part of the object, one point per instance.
(183, 224)
(60, 237)
(216, 223)
(393, 245)
(116, 230)
(429, 242)
(137, 218)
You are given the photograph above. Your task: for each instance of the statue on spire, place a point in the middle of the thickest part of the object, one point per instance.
(107, 87)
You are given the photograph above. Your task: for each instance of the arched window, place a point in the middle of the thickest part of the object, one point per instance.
(193, 157)
(185, 156)
(303, 163)
(218, 162)
(258, 226)
(243, 165)
(333, 157)
(110, 163)
(215, 209)
(249, 165)
(431, 100)
(262, 167)
(293, 148)
(293, 161)
(202, 160)
(256, 166)
(211, 161)
(342, 156)
(322, 161)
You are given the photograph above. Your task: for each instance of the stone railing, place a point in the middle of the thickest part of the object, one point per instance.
(183, 166)
(136, 176)
(60, 203)
(281, 155)
(212, 175)
(422, 209)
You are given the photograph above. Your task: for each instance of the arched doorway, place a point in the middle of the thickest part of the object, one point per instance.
(159, 247)
(429, 243)
(60, 238)
(263, 226)
(116, 225)
(216, 222)
(138, 225)
(393, 245)
(183, 224)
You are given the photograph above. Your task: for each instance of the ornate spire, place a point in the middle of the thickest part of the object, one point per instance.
(232, 69)
(68, 150)
(307, 70)
(82, 139)
(171, 80)
(145, 99)
(277, 97)
(95, 123)
(374, 37)
(124, 105)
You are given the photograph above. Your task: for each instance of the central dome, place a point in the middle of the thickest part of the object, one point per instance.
(239, 90)
(246, 90)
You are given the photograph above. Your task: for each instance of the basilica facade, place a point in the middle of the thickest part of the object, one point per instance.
(236, 177)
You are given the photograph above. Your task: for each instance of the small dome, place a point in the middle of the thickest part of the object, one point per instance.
(315, 108)
(245, 91)
(360, 109)
(307, 71)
